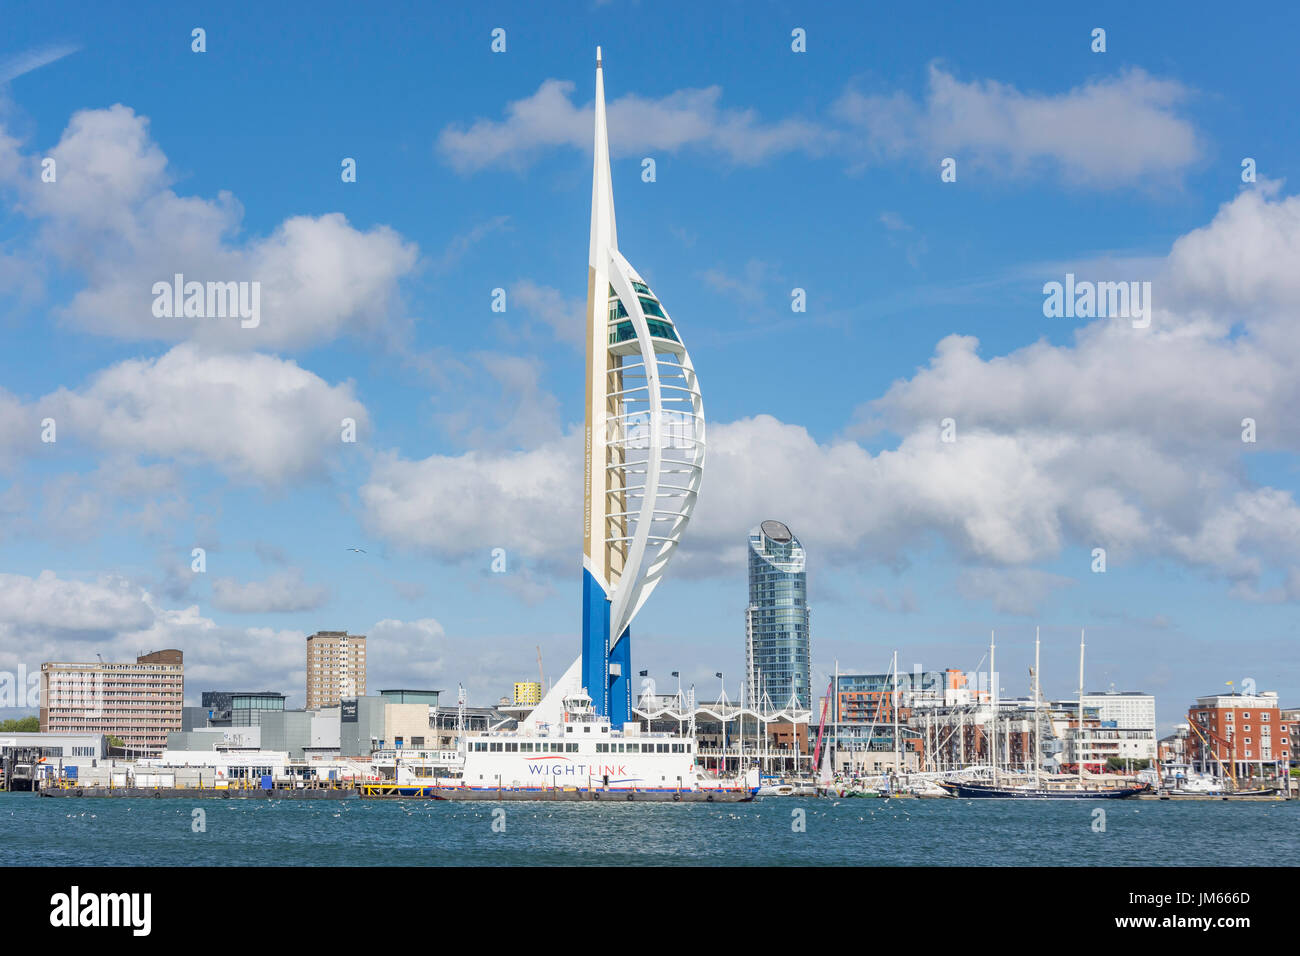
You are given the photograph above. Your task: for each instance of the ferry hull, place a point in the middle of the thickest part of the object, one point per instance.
(572, 796)
(983, 791)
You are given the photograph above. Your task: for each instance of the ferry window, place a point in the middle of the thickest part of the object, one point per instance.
(571, 748)
(634, 748)
(604, 730)
(620, 747)
(661, 748)
(527, 748)
(688, 748)
(586, 729)
(512, 748)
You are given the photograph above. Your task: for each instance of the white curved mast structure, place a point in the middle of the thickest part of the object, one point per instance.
(644, 451)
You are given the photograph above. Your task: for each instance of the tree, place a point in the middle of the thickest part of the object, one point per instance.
(23, 725)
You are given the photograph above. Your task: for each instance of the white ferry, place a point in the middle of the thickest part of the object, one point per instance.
(580, 754)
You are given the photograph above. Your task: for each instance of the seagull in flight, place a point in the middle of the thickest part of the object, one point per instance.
(358, 550)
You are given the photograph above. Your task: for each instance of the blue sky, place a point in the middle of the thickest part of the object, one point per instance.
(775, 170)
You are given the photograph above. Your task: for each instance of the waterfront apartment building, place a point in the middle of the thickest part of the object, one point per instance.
(1290, 729)
(138, 703)
(778, 657)
(1132, 712)
(1243, 734)
(336, 668)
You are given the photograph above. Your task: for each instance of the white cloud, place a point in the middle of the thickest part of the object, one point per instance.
(257, 417)
(282, 592)
(1124, 129)
(15, 66)
(112, 217)
(1019, 591)
(50, 606)
(685, 118)
(1127, 439)
(565, 317)
(463, 506)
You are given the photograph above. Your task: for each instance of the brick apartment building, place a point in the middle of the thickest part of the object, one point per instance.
(1243, 733)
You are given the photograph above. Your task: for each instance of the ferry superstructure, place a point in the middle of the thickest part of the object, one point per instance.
(581, 752)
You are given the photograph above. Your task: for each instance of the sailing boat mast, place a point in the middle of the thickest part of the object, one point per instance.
(1038, 687)
(993, 698)
(897, 768)
(1079, 738)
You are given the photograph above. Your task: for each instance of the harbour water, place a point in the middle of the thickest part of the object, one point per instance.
(864, 832)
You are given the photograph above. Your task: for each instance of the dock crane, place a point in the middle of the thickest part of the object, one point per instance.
(1206, 734)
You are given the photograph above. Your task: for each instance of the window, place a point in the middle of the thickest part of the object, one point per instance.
(571, 748)
(651, 307)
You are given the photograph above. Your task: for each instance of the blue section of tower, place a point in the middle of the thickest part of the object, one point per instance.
(610, 696)
(620, 687)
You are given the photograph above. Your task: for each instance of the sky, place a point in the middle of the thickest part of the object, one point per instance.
(797, 155)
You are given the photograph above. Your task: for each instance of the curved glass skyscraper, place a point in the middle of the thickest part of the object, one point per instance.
(777, 651)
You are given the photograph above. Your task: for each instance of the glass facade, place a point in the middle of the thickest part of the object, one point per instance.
(777, 650)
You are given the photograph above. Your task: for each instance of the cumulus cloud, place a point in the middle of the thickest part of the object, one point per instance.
(1019, 591)
(565, 317)
(282, 592)
(682, 119)
(256, 417)
(462, 506)
(1128, 439)
(1117, 130)
(50, 606)
(114, 220)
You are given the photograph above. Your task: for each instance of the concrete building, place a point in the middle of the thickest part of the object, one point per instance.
(427, 697)
(139, 703)
(240, 708)
(336, 668)
(1133, 714)
(303, 733)
(216, 738)
(68, 748)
